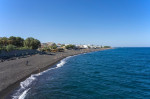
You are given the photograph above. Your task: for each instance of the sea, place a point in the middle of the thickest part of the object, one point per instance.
(119, 73)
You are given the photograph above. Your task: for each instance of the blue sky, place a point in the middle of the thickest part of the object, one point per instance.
(103, 22)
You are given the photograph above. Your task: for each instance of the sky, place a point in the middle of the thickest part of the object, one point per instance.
(117, 23)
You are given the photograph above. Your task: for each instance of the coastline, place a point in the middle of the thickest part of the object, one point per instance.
(13, 74)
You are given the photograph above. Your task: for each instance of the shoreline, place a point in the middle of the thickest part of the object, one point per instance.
(54, 59)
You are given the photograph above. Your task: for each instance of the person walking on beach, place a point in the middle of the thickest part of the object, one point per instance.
(27, 62)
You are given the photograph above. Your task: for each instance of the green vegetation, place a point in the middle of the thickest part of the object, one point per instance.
(10, 48)
(54, 46)
(70, 46)
(23, 48)
(60, 49)
(2, 48)
(51, 48)
(45, 49)
(62, 45)
(4, 41)
(107, 46)
(32, 43)
(18, 43)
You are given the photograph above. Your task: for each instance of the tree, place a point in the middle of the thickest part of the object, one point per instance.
(54, 46)
(4, 41)
(16, 41)
(70, 46)
(19, 41)
(12, 40)
(1, 42)
(32, 43)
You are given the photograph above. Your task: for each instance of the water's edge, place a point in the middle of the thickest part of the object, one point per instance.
(25, 85)
(6, 92)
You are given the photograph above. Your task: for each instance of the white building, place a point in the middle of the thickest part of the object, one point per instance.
(85, 46)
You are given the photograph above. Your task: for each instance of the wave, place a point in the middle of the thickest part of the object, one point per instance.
(25, 85)
(22, 96)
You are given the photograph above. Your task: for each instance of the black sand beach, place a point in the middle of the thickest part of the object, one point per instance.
(14, 71)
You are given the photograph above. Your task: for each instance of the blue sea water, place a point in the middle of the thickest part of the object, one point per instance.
(121, 73)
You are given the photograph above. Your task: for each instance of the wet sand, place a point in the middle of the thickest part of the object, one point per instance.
(12, 72)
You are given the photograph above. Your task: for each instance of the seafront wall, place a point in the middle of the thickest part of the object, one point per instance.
(17, 53)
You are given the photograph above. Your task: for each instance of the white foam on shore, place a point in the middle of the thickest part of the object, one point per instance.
(25, 85)
(22, 96)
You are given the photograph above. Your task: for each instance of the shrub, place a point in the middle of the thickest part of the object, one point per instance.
(60, 49)
(70, 46)
(45, 49)
(54, 46)
(3, 48)
(10, 48)
(107, 46)
(54, 50)
(24, 48)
